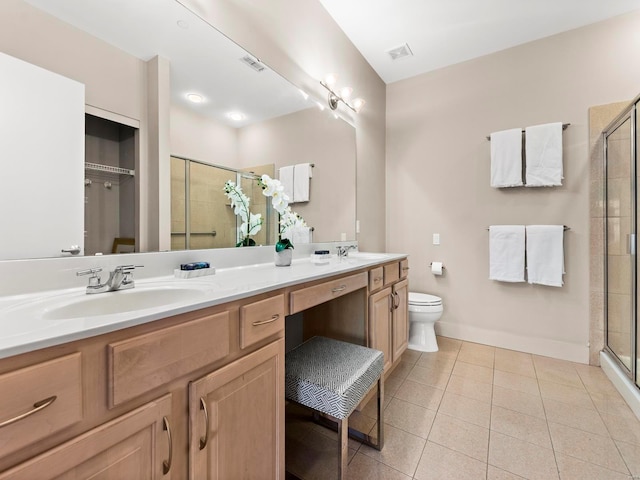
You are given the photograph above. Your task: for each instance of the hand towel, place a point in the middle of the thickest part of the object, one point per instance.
(543, 155)
(286, 179)
(545, 254)
(301, 235)
(506, 253)
(506, 158)
(301, 176)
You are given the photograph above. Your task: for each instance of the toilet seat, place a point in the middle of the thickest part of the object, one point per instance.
(424, 300)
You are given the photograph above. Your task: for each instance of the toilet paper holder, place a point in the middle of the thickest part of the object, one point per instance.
(431, 264)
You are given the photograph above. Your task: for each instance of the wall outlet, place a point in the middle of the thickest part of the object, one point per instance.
(357, 226)
(436, 239)
(343, 237)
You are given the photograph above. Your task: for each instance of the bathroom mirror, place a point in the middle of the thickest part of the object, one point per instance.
(109, 46)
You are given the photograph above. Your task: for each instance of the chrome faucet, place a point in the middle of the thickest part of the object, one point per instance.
(343, 250)
(121, 278)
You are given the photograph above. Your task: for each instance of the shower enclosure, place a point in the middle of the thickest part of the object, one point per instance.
(620, 140)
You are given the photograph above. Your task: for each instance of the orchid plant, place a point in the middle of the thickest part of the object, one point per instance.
(280, 202)
(251, 223)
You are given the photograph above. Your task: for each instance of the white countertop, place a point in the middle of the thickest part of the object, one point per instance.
(26, 322)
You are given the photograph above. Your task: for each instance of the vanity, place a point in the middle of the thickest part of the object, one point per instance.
(192, 389)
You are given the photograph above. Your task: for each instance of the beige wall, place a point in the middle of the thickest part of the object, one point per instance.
(438, 163)
(299, 40)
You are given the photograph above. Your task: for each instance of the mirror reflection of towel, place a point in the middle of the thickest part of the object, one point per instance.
(286, 179)
(301, 176)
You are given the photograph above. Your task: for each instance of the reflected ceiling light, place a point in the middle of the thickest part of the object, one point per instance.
(320, 106)
(334, 98)
(304, 94)
(236, 116)
(195, 98)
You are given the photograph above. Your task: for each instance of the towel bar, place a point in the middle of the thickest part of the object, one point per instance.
(565, 228)
(564, 127)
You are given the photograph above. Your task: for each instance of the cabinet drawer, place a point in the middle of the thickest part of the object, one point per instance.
(145, 362)
(42, 399)
(312, 296)
(376, 278)
(259, 320)
(391, 273)
(404, 268)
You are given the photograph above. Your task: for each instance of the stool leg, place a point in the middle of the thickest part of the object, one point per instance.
(380, 413)
(343, 437)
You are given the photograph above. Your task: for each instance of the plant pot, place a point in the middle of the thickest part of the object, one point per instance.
(283, 258)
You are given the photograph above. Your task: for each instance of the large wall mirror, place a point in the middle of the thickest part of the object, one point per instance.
(249, 119)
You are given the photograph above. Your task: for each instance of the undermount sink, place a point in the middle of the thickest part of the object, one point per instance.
(121, 302)
(367, 256)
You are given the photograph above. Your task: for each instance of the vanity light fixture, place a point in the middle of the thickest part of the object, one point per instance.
(195, 98)
(343, 96)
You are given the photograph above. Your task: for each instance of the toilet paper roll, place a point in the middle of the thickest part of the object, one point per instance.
(436, 268)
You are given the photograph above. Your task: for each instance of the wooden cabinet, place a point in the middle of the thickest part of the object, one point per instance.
(137, 445)
(235, 419)
(380, 321)
(400, 318)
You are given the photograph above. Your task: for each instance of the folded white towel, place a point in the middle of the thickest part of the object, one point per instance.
(545, 254)
(286, 179)
(301, 176)
(543, 155)
(506, 253)
(506, 158)
(298, 235)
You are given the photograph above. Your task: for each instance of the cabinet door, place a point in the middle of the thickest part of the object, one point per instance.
(236, 419)
(133, 446)
(400, 318)
(380, 334)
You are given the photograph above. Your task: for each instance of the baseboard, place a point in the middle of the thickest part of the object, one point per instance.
(627, 389)
(539, 346)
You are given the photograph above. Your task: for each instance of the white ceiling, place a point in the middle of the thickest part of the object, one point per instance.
(445, 32)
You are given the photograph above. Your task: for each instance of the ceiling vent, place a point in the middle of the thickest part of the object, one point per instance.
(253, 63)
(400, 52)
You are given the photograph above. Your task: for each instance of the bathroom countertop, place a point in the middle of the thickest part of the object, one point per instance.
(30, 322)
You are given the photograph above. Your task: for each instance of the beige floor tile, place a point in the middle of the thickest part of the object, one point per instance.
(392, 384)
(436, 361)
(594, 379)
(631, 456)
(419, 394)
(522, 458)
(520, 365)
(573, 469)
(516, 382)
(448, 345)
(518, 401)
(577, 396)
(521, 426)
(560, 376)
(495, 473)
(313, 457)
(441, 463)
(411, 356)
(585, 446)
(612, 403)
(411, 418)
(477, 354)
(461, 436)
(470, 388)
(403, 369)
(363, 467)
(467, 409)
(621, 428)
(573, 416)
(401, 450)
(371, 408)
(473, 372)
(429, 376)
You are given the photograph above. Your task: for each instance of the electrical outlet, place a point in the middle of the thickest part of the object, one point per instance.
(436, 239)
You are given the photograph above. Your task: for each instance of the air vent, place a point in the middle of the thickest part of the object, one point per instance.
(400, 52)
(253, 63)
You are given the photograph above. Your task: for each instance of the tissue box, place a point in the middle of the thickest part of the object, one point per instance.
(201, 272)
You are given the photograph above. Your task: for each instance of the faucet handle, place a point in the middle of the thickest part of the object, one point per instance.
(127, 268)
(94, 279)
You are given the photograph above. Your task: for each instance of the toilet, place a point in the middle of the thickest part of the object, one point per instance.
(424, 311)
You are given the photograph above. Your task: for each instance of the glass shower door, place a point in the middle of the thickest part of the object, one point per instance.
(620, 242)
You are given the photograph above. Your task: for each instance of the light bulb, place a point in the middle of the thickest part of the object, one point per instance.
(331, 79)
(358, 103)
(346, 92)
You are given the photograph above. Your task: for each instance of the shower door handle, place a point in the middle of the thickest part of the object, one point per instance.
(631, 247)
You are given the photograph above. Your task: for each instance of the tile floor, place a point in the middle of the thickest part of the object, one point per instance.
(471, 411)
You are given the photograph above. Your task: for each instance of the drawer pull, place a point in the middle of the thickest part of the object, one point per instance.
(339, 289)
(392, 302)
(404, 269)
(396, 302)
(377, 279)
(166, 464)
(262, 322)
(204, 440)
(42, 404)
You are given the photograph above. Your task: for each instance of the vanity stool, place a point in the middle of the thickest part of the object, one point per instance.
(332, 377)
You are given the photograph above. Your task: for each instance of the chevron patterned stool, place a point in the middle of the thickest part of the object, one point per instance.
(333, 377)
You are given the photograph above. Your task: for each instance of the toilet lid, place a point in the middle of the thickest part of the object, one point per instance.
(424, 299)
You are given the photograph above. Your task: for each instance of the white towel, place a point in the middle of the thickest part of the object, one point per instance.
(301, 176)
(286, 179)
(506, 158)
(506, 253)
(545, 254)
(298, 235)
(543, 155)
